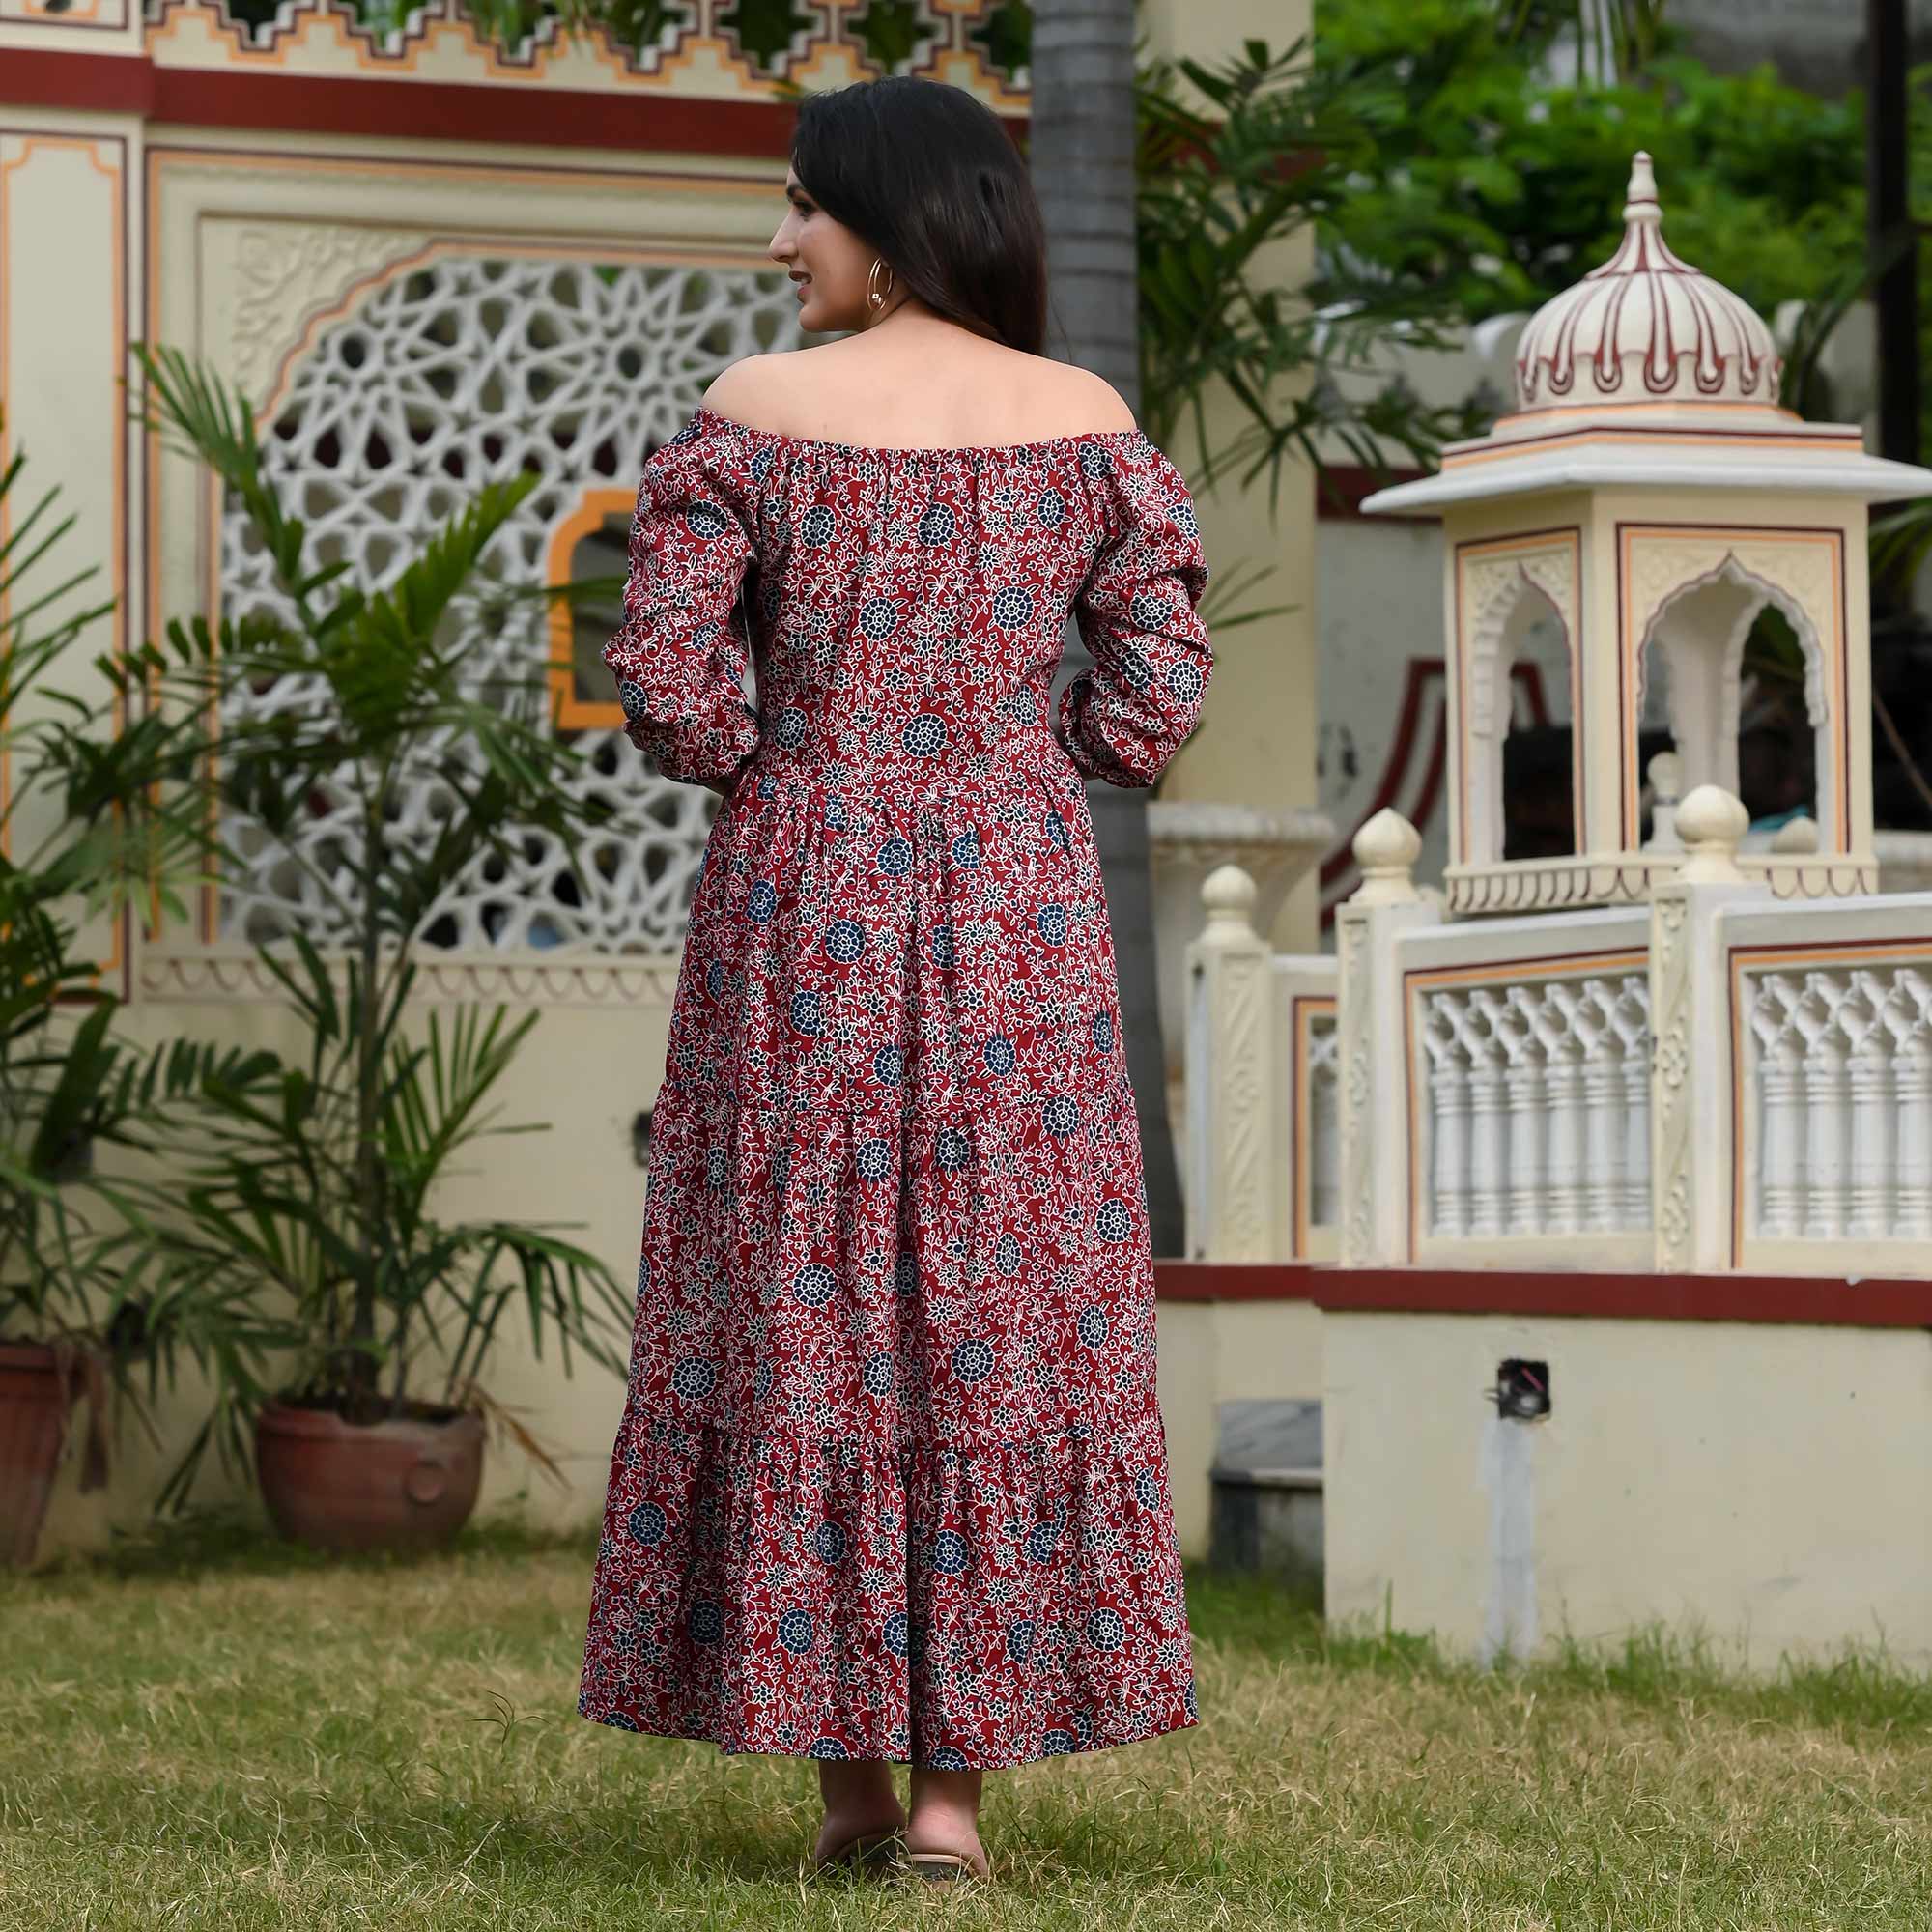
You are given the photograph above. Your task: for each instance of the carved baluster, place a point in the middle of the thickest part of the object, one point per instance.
(1563, 1084)
(1630, 1016)
(1324, 1127)
(1528, 1108)
(1908, 1019)
(1780, 1153)
(1868, 1075)
(1449, 1118)
(1827, 1115)
(1606, 1150)
(1488, 1120)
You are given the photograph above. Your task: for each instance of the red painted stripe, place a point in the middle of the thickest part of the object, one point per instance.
(1233, 1281)
(109, 83)
(1830, 1301)
(452, 111)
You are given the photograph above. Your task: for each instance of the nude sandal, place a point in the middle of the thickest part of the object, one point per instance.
(866, 1852)
(948, 1867)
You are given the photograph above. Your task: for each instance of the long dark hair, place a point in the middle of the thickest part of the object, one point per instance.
(926, 173)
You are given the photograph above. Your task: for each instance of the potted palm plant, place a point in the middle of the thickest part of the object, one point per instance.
(88, 819)
(324, 1196)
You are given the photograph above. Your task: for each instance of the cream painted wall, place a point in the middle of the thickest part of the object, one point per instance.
(1749, 1480)
(583, 1074)
(1216, 1351)
(1257, 742)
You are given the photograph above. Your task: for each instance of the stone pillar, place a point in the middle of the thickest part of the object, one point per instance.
(1374, 1069)
(1232, 1162)
(1692, 1165)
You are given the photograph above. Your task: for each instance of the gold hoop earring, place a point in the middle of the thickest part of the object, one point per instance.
(874, 300)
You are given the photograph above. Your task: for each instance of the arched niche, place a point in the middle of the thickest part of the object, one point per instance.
(1519, 648)
(1693, 658)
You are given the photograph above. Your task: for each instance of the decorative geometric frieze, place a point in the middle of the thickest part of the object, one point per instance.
(705, 49)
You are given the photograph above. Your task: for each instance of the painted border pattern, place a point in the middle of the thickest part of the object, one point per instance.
(704, 57)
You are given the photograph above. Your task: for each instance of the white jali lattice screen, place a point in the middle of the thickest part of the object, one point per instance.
(457, 371)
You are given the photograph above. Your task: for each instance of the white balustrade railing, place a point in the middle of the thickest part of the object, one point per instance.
(1537, 1106)
(1716, 1081)
(1839, 1079)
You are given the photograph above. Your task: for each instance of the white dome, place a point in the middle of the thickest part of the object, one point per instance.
(1645, 328)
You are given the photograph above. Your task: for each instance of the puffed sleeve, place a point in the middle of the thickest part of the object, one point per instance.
(681, 655)
(1127, 717)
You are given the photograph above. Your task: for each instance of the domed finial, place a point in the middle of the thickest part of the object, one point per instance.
(1386, 849)
(1229, 894)
(1709, 822)
(1640, 203)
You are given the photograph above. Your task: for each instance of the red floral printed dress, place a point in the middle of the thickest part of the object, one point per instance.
(891, 1480)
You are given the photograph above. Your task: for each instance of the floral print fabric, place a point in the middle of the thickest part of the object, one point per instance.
(891, 1480)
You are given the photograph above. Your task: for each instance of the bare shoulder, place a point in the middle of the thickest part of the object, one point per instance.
(747, 390)
(1088, 402)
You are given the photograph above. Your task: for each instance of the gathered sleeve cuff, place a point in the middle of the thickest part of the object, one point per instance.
(683, 651)
(1127, 717)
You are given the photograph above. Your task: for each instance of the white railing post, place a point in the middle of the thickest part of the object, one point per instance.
(1522, 1083)
(1874, 1189)
(1563, 1081)
(1603, 1142)
(1374, 1069)
(1908, 1019)
(1692, 1171)
(1630, 1014)
(1233, 1164)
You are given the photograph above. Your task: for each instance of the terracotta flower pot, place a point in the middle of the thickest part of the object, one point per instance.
(405, 1484)
(34, 1409)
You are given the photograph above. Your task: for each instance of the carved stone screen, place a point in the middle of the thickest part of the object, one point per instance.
(455, 371)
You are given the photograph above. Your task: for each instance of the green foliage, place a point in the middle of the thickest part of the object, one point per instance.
(317, 1187)
(1224, 191)
(1502, 185)
(91, 820)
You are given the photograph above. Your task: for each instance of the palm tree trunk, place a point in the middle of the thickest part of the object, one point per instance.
(1081, 157)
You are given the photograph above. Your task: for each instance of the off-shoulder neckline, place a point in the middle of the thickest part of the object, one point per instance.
(917, 449)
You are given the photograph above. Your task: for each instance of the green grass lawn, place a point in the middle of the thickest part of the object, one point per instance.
(224, 1733)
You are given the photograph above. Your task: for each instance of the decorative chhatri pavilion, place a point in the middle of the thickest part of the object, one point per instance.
(1632, 1193)
(1650, 496)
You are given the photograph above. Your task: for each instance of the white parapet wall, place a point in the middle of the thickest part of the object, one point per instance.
(1723, 1080)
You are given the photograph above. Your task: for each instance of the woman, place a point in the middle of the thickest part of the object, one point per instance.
(891, 1484)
